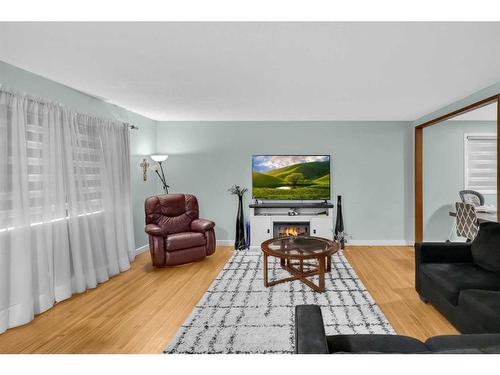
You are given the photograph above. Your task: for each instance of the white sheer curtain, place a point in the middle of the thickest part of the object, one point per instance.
(65, 205)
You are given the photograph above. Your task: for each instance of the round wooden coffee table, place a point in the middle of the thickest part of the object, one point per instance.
(302, 257)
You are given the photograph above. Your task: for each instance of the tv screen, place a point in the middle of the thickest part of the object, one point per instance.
(300, 177)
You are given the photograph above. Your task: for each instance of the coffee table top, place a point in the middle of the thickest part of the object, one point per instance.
(299, 247)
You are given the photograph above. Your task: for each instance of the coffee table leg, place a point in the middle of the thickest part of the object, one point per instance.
(321, 275)
(265, 270)
(328, 263)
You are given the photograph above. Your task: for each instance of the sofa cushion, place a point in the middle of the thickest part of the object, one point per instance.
(467, 341)
(375, 344)
(449, 279)
(482, 306)
(459, 351)
(486, 247)
(494, 349)
(184, 240)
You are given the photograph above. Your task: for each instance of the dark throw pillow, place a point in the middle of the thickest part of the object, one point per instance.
(486, 247)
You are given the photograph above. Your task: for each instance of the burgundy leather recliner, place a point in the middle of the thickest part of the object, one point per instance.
(176, 234)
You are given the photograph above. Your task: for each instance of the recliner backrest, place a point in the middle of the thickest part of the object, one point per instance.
(172, 212)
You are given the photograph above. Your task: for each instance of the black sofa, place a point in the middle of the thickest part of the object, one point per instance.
(310, 338)
(462, 280)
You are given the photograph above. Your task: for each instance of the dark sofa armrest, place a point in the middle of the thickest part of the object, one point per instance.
(443, 252)
(201, 225)
(310, 335)
(154, 230)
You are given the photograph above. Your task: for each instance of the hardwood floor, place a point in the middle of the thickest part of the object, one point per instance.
(140, 310)
(388, 273)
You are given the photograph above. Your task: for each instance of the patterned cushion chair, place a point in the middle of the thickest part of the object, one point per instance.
(472, 197)
(467, 224)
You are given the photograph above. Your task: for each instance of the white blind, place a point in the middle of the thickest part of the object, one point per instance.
(87, 162)
(42, 176)
(481, 163)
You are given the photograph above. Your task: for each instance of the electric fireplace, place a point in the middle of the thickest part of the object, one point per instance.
(293, 228)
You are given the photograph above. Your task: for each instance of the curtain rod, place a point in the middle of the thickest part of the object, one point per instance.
(43, 101)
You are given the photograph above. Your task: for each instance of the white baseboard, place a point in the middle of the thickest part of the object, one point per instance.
(225, 242)
(141, 249)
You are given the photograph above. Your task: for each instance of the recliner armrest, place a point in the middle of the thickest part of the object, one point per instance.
(201, 225)
(443, 252)
(154, 230)
(310, 335)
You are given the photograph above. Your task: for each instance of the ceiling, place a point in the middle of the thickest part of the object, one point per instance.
(263, 71)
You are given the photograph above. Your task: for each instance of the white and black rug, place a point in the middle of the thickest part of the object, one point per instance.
(239, 315)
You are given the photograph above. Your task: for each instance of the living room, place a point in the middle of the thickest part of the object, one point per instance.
(249, 188)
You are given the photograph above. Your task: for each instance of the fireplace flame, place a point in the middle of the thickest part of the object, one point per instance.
(291, 231)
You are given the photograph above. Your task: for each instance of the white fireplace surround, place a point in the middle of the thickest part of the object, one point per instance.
(263, 215)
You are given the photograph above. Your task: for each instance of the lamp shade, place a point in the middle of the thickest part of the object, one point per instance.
(159, 158)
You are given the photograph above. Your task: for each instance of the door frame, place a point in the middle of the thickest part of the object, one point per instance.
(419, 158)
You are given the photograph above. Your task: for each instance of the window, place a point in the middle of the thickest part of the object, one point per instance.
(481, 163)
(65, 213)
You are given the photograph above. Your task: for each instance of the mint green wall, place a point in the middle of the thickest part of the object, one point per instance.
(142, 142)
(371, 162)
(444, 173)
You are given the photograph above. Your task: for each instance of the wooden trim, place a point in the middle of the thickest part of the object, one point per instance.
(419, 201)
(419, 155)
(460, 111)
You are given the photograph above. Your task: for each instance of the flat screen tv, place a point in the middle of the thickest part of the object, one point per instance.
(297, 177)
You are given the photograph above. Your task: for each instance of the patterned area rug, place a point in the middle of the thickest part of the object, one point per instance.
(239, 315)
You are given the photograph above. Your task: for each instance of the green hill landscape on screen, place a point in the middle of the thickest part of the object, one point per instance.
(309, 180)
